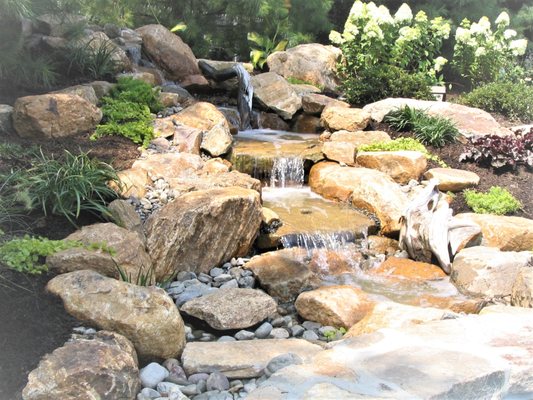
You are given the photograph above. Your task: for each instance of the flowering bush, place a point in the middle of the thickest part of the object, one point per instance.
(483, 55)
(373, 36)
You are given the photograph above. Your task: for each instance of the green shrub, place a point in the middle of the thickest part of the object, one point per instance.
(514, 100)
(382, 81)
(127, 111)
(432, 130)
(497, 201)
(400, 144)
(26, 254)
(68, 186)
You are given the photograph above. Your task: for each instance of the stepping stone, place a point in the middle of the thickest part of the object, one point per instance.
(452, 180)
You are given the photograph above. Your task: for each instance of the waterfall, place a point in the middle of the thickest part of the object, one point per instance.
(319, 240)
(246, 94)
(287, 171)
(134, 54)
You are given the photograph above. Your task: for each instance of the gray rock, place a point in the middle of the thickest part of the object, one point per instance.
(217, 381)
(297, 330)
(190, 390)
(201, 376)
(244, 335)
(153, 374)
(204, 278)
(186, 275)
(277, 322)
(176, 375)
(311, 326)
(193, 292)
(310, 335)
(226, 339)
(250, 386)
(247, 282)
(6, 126)
(201, 386)
(150, 393)
(263, 331)
(279, 333)
(282, 361)
(166, 388)
(216, 271)
(223, 278)
(233, 284)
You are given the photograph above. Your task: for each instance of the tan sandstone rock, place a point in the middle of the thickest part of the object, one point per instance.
(202, 115)
(402, 166)
(337, 306)
(145, 315)
(409, 269)
(54, 116)
(86, 92)
(453, 180)
(104, 366)
(522, 293)
(204, 229)
(341, 152)
(315, 103)
(336, 118)
(169, 52)
(273, 92)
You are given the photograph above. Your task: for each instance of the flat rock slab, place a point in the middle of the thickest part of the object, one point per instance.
(453, 180)
(471, 358)
(242, 359)
(505, 233)
(405, 268)
(273, 92)
(232, 308)
(402, 166)
(470, 121)
(335, 118)
(315, 103)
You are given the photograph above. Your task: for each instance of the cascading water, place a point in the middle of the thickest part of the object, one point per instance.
(246, 94)
(287, 171)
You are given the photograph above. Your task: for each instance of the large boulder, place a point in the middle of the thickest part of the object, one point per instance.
(338, 306)
(145, 315)
(201, 115)
(453, 180)
(366, 188)
(470, 121)
(471, 357)
(402, 166)
(488, 272)
(102, 366)
(86, 92)
(342, 145)
(203, 229)
(340, 118)
(313, 63)
(242, 359)
(314, 104)
(187, 139)
(274, 93)
(505, 233)
(231, 308)
(97, 41)
(169, 52)
(54, 116)
(106, 247)
(394, 315)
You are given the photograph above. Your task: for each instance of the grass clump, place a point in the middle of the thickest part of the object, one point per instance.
(513, 100)
(27, 254)
(68, 186)
(497, 201)
(402, 144)
(430, 130)
(95, 59)
(127, 111)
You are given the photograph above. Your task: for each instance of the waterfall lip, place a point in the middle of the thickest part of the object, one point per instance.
(274, 136)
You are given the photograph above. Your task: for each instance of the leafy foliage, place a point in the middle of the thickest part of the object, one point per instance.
(432, 130)
(27, 254)
(68, 186)
(514, 100)
(264, 46)
(400, 144)
(497, 201)
(94, 58)
(501, 152)
(127, 111)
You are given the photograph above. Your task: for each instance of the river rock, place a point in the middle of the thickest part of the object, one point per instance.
(242, 359)
(54, 116)
(153, 374)
(392, 363)
(486, 271)
(169, 52)
(102, 366)
(335, 118)
(453, 180)
(203, 229)
(470, 121)
(522, 293)
(338, 306)
(217, 141)
(145, 315)
(6, 124)
(314, 103)
(273, 92)
(408, 269)
(283, 273)
(232, 308)
(505, 233)
(394, 315)
(402, 166)
(86, 92)
(366, 188)
(106, 246)
(313, 63)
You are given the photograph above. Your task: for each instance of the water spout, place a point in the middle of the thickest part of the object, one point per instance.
(246, 94)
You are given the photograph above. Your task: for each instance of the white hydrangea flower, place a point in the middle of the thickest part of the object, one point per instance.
(518, 47)
(503, 19)
(440, 62)
(336, 38)
(357, 10)
(408, 34)
(509, 34)
(372, 30)
(421, 16)
(441, 27)
(382, 16)
(481, 28)
(462, 35)
(404, 14)
(480, 51)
